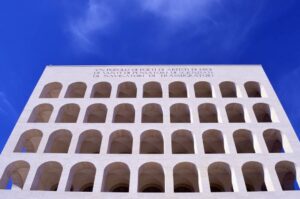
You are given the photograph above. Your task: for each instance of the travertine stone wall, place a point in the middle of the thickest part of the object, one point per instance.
(92, 131)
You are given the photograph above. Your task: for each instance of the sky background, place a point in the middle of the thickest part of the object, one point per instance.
(36, 33)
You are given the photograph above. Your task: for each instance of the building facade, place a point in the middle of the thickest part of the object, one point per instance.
(152, 131)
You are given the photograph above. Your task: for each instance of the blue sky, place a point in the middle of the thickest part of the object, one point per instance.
(36, 33)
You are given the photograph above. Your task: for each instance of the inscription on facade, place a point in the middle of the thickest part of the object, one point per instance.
(153, 72)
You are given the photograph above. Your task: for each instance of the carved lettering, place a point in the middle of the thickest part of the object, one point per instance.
(144, 72)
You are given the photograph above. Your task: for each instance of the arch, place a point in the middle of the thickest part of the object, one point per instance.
(101, 90)
(29, 141)
(120, 141)
(68, 113)
(243, 141)
(254, 177)
(47, 177)
(51, 90)
(81, 177)
(41, 113)
(273, 140)
(286, 172)
(151, 178)
(203, 89)
(151, 142)
(213, 141)
(228, 89)
(89, 142)
(95, 113)
(59, 141)
(126, 90)
(262, 112)
(208, 113)
(252, 89)
(15, 175)
(124, 113)
(152, 113)
(152, 89)
(177, 89)
(116, 178)
(235, 113)
(220, 178)
(185, 177)
(180, 113)
(182, 142)
(76, 90)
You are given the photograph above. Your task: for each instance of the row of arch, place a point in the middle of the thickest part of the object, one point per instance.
(151, 142)
(152, 113)
(150, 90)
(151, 177)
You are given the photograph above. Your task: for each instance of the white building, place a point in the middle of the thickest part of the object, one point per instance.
(91, 131)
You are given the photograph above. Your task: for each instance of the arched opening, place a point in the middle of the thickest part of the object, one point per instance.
(262, 112)
(95, 113)
(152, 142)
(101, 90)
(41, 113)
(252, 89)
(182, 142)
(116, 178)
(208, 113)
(235, 113)
(228, 89)
(152, 113)
(126, 90)
(273, 140)
(151, 178)
(254, 177)
(51, 90)
(202, 89)
(185, 177)
(29, 141)
(124, 113)
(152, 89)
(47, 177)
(59, 142)
(243, 141)
(286, 172)
(76, 90)
(120, 141)
(81, 177)
(219, 175)
(180, 113)
(177, 89)
(213, 141)
(89, 142)
(14, 175)
(68, 114)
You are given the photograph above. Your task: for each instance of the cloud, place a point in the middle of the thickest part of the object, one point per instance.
(179, 11)
(224, 24)
(98, 16)
(95, 18)
(214, 22)
(6, 107)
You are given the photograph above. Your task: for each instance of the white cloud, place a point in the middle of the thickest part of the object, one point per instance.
(211, 19)
(6, 107)
(177, 10)
(97, 17)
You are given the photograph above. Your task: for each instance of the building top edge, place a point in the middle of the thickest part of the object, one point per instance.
(158, 65)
